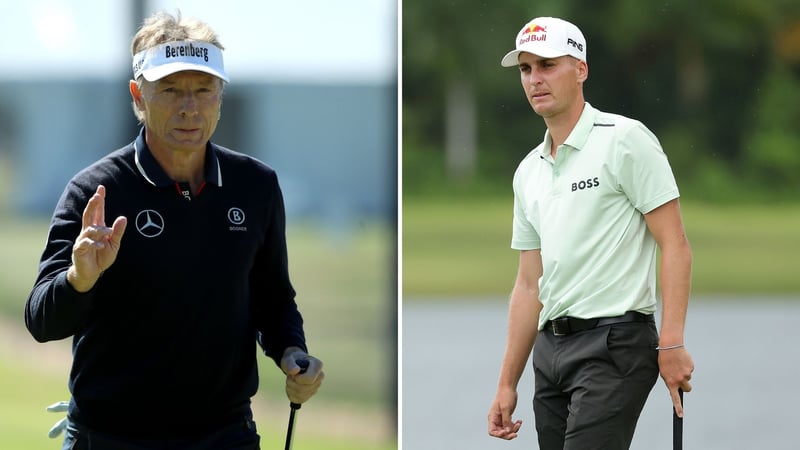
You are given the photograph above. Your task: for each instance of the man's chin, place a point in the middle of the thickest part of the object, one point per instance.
(543, 111)
(187, 142)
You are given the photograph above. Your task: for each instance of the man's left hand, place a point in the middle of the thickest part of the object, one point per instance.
(676, 367)
(301, 386)
(61, 425)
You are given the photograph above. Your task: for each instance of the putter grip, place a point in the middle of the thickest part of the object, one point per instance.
(303, 363)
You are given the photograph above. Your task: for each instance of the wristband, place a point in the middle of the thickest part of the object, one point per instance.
(670, 347)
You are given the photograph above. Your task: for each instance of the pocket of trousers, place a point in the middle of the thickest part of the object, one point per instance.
(631, 347)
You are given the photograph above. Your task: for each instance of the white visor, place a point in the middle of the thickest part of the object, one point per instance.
(165, 59)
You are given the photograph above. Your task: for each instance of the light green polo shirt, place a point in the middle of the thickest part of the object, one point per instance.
(584, 210)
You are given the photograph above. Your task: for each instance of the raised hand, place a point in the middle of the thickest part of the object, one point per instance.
(97, 245)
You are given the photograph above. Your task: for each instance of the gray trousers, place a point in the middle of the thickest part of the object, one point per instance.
(591, 386)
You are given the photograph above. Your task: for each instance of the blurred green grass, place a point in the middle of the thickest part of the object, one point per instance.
(24, 423)
(26, 393)
(346, 291)
(459, 247)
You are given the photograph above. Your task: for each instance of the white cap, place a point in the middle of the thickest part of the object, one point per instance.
(547, 37)
(170, 57)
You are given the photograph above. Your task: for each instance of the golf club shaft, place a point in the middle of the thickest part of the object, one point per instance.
(677, 426)
(292, 419)
(293, 407)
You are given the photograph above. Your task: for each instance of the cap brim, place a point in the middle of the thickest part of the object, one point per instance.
(159, 72)
(512, 58)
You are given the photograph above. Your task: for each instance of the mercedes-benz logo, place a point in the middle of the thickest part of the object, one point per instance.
(149, 223)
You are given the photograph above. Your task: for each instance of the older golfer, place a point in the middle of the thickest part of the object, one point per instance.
(166, 262)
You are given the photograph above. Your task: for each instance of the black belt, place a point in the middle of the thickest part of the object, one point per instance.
(563, 326)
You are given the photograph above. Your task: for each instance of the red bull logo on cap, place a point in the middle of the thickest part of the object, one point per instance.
(531, 33)
(533, 28)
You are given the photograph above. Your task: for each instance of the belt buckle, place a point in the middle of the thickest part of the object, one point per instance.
(561, 326)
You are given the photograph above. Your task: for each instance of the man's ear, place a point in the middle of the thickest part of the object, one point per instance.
(136, 93)
(583, 70)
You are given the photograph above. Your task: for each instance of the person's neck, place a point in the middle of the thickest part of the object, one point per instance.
(561, 125)
(181, 165)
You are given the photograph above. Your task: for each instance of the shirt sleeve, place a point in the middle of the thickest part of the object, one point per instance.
(644, 173)
(524, 235)
(279, 323)
(54, 310)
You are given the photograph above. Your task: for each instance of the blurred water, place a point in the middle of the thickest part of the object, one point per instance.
(745, 381)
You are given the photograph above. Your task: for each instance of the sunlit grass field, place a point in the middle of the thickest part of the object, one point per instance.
(460, 248)
(346, 290)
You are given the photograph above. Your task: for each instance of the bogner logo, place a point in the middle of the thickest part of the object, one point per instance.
(236, 218)
(586, 184)
(149, 223)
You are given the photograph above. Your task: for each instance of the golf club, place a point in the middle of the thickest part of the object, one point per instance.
(303, 363)
(677, 426)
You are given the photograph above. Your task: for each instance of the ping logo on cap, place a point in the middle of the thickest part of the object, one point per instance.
(575, 44)
(531, 33)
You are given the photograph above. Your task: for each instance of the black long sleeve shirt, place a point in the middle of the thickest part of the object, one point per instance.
(165, 342)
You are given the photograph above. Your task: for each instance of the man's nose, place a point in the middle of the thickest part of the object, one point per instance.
(533, 77)
(188, 104)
